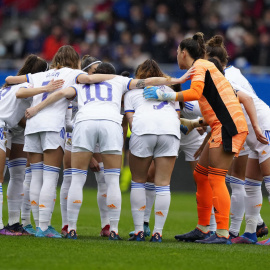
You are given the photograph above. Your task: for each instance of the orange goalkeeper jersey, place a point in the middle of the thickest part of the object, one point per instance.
(217, 99)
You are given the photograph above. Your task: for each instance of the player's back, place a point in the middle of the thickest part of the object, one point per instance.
(218, 104)
(12, 109)
(51, 118)
(152, 116)
(101, 101)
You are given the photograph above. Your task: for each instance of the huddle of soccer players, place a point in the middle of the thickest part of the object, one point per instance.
(153, 115)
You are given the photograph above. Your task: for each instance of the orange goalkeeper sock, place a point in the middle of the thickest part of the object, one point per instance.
(204, 195)
(221, 197)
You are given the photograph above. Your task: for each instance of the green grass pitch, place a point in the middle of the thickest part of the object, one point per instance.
(93, 252)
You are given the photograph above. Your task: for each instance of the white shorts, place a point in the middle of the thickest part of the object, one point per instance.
(190, 143)
(15, 137)
(150, 145)
(68, 143)
(245, 150)
(41, 141)
(108, 134)
(3, 140)
(258, 150)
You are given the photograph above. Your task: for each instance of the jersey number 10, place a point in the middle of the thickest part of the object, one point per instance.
(97, 92)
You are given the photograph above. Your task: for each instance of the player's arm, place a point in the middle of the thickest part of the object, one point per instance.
(94, 78)
(16, 79)
(141, 83)
(129, 116)
(248, 103)
(199, 151)
(194, 93)
(68, 93)
(24, 92)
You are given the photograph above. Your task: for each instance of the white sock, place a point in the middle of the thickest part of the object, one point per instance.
(26, 204)
(75, 197)
(260, 220)
(6, 166)
(253, 204)
(47, 195)
(15, 189)
(213, 224)
(35, 187)
(266, 180)
(64, 195)
(162, 204)
(54, 200)
(138, 202)
(1, 207)
(102, 196)
(113, 197)
(150, 192)
(237, 204)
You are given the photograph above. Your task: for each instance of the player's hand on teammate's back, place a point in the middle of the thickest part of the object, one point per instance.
(94, 166)
(187, 75)
(154, 92)
(150, 92)
(54, 84)
(30, 112)
(260, 136)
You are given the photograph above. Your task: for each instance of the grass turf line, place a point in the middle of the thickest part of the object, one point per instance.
(93, 252)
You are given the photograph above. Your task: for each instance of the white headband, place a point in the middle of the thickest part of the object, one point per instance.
(96, 62)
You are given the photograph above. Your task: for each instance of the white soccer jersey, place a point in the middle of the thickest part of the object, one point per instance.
(240, 83)
(12, 109)
(101, 101)
(152, 116)
(51, 118)
(191, 110)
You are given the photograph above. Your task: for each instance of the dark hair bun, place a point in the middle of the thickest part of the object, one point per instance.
(215, 41)
(125, 74)
(198, 36)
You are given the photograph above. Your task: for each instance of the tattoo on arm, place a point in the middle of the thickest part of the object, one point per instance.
(140, 84)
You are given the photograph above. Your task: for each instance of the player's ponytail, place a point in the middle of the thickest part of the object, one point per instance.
(195, 46)
(215, 48)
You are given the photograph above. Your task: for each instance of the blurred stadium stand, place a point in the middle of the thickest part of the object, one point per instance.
(126, 32)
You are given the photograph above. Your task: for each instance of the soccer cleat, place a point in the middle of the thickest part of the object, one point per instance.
(232, 235)
(215, 239)
(39, 233)
(146, 228)
(54, 232)
(14, 229)
(5, 231)
(72, 235)
(48, 233)
(264, 242)
(29, 228)
(114, 236)
(261, 230)
(64, 231)
(156, 237)
(246, 238)
(105, 231)
(192, 236)
(19, 228)
(137, 237)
